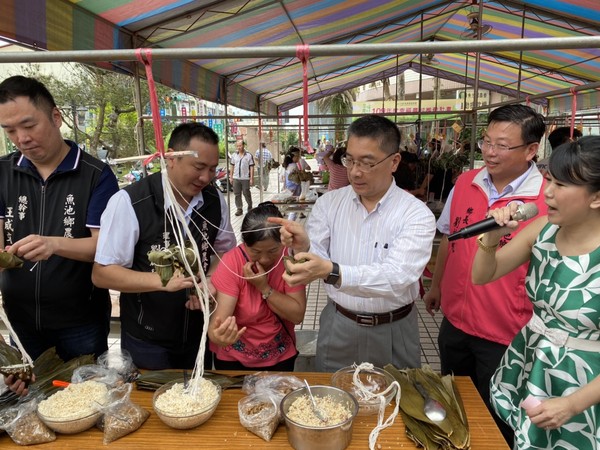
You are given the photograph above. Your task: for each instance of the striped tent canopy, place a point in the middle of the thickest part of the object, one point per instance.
(275, 84)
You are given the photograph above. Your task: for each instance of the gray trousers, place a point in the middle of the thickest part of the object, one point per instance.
(263, 174)
(342, 342)
(239, 187)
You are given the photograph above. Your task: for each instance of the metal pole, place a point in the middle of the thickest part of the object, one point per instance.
(405, 48)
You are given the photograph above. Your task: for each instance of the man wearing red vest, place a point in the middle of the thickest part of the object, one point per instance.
(480, 321)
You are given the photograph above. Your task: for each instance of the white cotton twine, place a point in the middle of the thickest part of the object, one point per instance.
(381, 425)
(181, 229)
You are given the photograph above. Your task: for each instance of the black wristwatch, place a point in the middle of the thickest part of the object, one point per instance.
(334, 275)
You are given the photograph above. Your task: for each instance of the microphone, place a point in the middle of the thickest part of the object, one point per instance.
(525, 211)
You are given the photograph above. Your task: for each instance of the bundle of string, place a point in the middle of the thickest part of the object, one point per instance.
(175, 216)
(369, 395)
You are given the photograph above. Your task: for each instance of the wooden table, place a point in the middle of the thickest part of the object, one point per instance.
(223, 429)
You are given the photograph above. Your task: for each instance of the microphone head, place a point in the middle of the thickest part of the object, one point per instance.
(526, 211)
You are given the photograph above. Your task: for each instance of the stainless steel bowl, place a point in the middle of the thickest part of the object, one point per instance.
(334, 437)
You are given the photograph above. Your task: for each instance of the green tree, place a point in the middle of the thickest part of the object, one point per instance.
(340, 106)
(288, 139)
(109, 97)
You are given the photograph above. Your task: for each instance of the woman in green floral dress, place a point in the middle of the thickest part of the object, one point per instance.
(547, 386)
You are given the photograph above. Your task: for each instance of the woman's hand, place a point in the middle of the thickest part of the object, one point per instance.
(552, 413)
(226, 333)
(256, 275)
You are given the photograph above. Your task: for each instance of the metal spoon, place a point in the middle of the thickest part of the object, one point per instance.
(318, 412)
(432, 409)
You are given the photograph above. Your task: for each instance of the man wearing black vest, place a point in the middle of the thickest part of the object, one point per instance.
(162, 326)
(52, 195)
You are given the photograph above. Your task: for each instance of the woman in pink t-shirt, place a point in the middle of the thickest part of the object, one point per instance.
(253, 324)
(338, 174)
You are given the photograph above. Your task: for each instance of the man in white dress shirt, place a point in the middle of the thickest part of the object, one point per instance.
(370, 242)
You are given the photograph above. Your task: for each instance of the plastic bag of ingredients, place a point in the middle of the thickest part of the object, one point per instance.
(121, 416)
(274, 385)
(120, 361)
(259, 413)
(95, 372)
(23, 425)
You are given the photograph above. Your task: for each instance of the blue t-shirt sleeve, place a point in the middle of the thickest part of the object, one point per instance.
(106, 188)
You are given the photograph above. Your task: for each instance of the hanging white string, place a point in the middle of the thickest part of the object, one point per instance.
(176, 216)
(368, 395)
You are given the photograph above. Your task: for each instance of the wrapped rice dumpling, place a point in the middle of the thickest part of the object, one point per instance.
(170, 259)
(10, 261)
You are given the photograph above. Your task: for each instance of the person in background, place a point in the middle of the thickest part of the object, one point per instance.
(438, 181)
(338, 174)
(291, 162)
(558, 137)
(547, 385)
(51, 197)
(322, 153)
(253, 325)
(480, 321)
(405, 175)
(370, 242)
(303, 163)
(263, 157)
(241, 176)
(161, 326)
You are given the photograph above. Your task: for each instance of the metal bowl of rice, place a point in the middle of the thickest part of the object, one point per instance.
(74, 409)
(186, 407)
(305, 431)
(375, 380)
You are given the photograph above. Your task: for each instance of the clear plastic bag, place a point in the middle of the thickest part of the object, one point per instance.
(24, 426)
(121, 416)
(95, 372)
(278, 382)
(273, 385)
(259, 413)
(121, 361)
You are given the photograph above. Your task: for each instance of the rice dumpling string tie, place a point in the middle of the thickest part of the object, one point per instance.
(180, 230)
(368, 395)
(177, 217)
(573, 110)
(24, 355)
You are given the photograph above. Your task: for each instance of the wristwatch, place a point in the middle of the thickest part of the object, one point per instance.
(268, 294)
(334, 275)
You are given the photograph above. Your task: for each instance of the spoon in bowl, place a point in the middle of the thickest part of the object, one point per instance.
(318, 412)
(433, 409)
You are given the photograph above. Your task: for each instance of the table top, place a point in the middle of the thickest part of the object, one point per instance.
(224, 431)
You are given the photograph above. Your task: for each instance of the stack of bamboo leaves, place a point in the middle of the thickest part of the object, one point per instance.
(450, 433)
(153, 379)
(167, 261)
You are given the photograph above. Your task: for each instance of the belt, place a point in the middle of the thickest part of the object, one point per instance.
(371, 320)
(561, 338)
